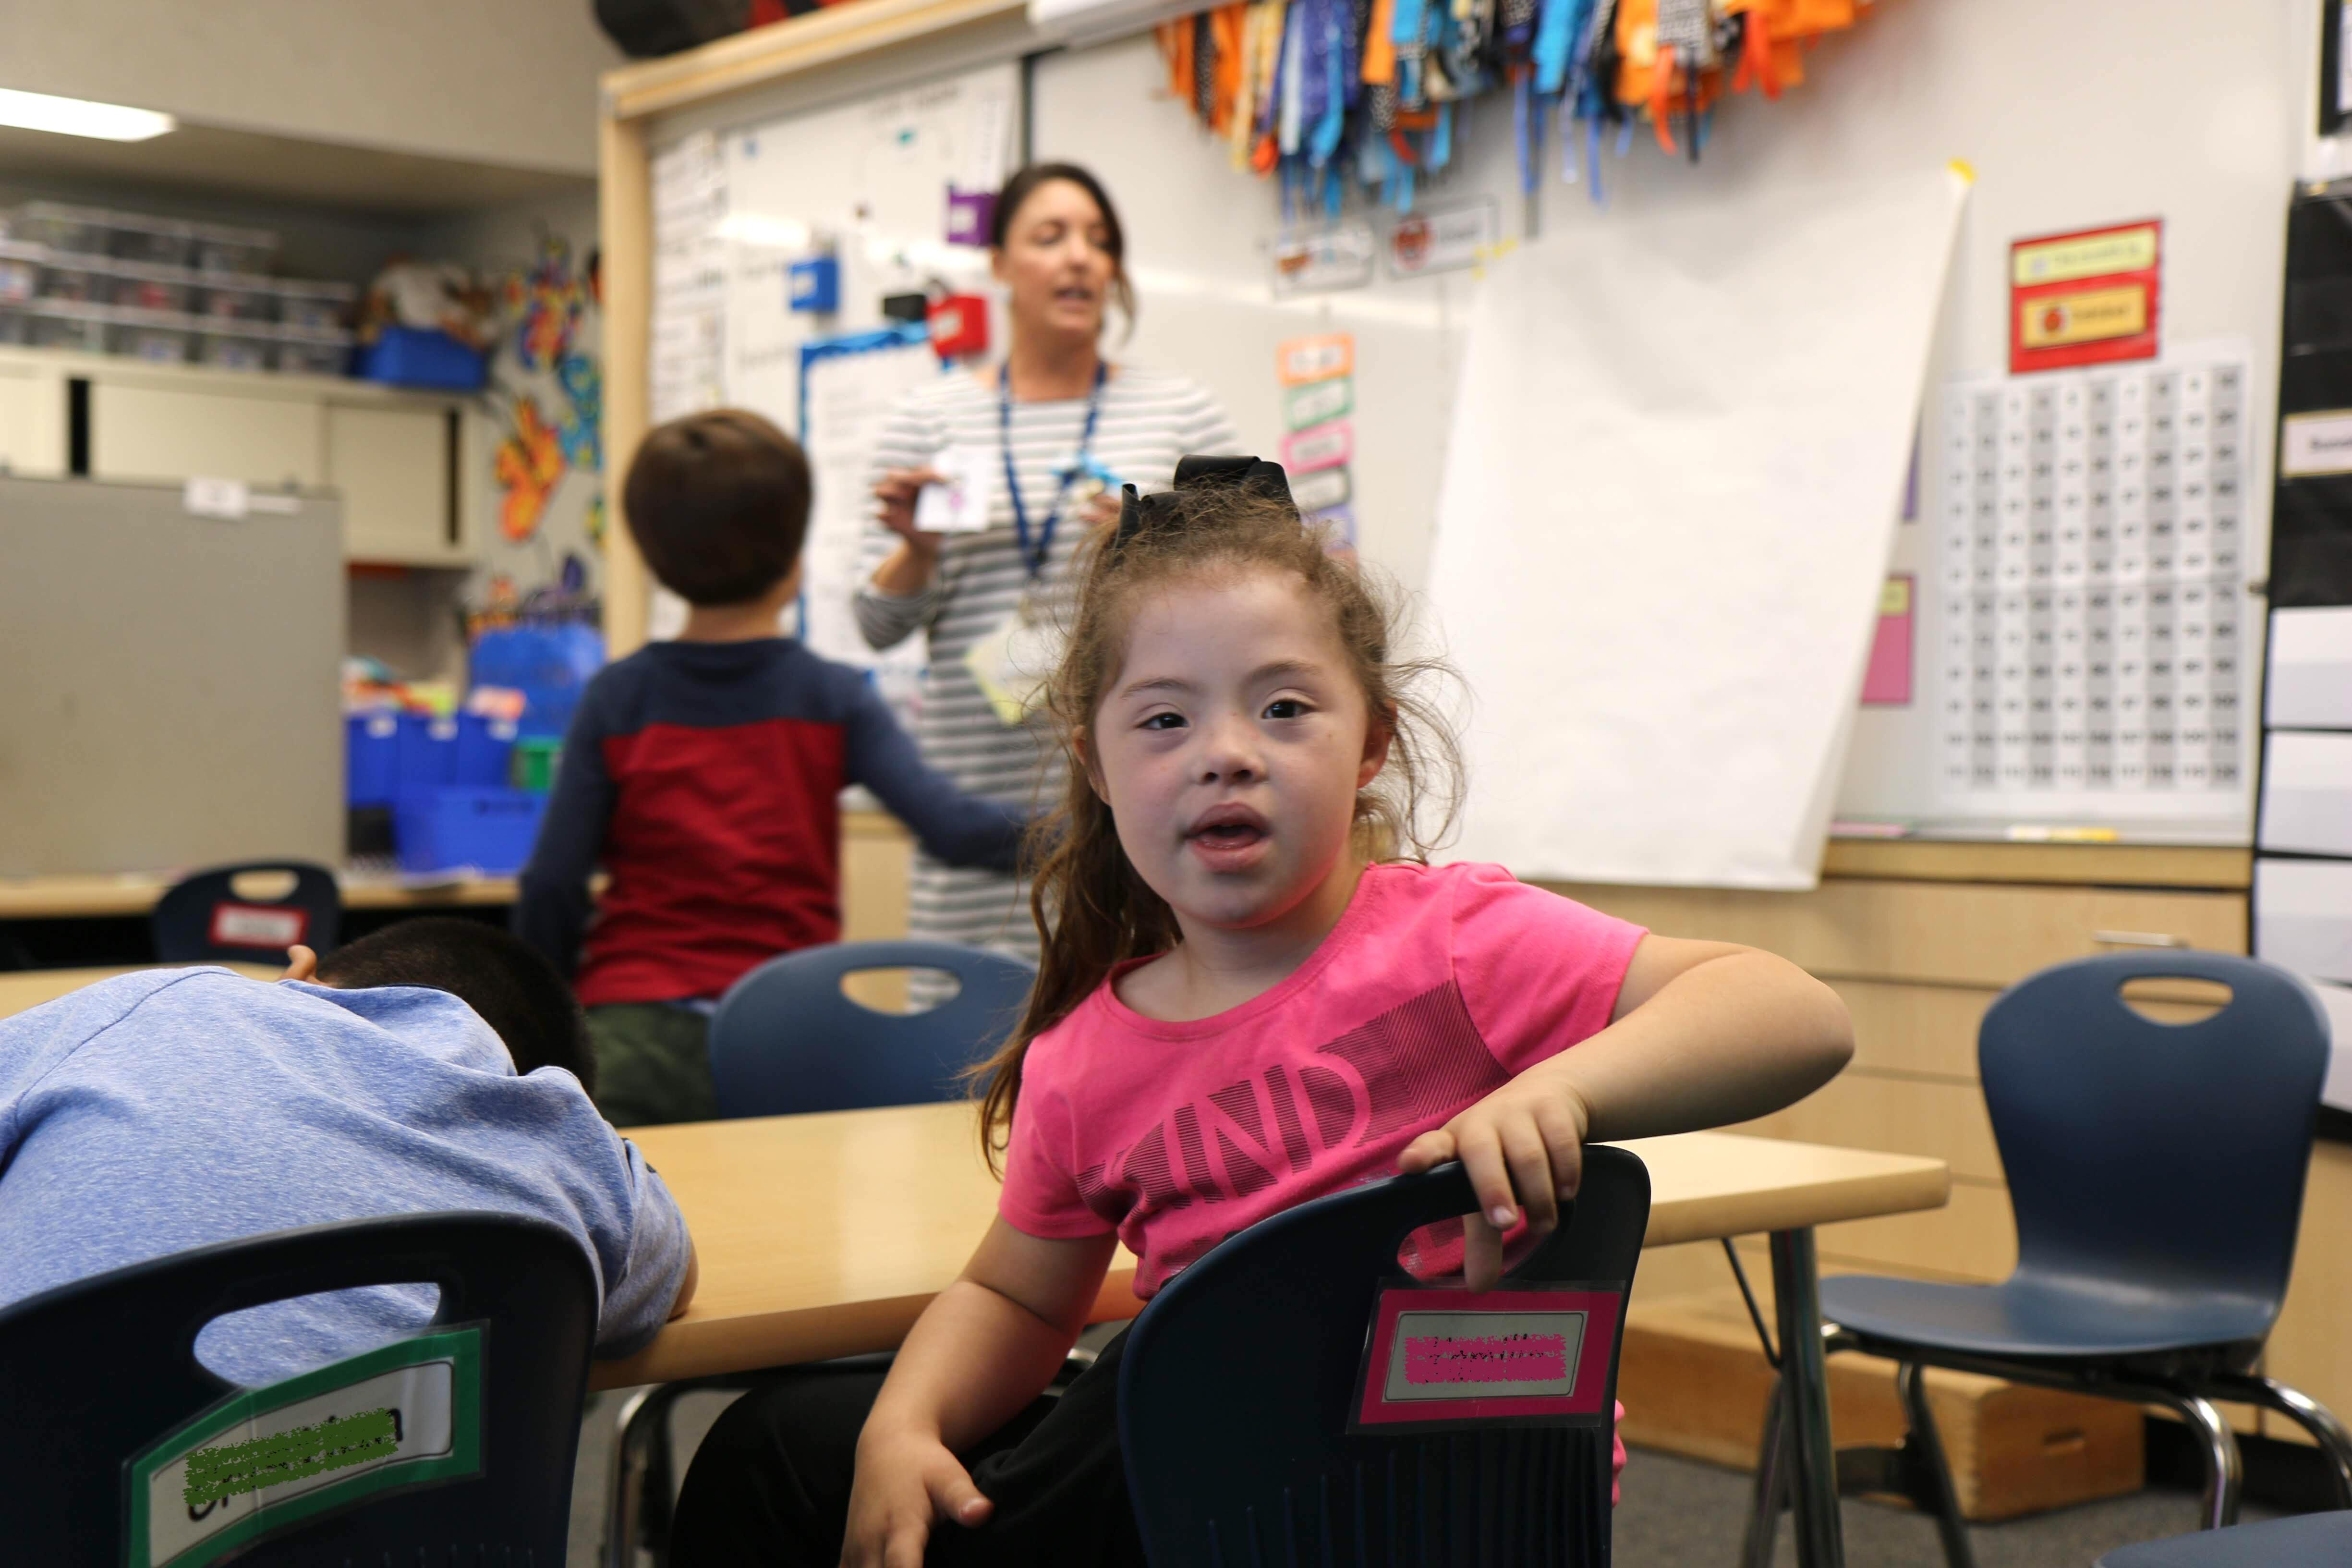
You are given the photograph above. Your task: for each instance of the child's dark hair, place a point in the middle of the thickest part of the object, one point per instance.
(1026, 179)
(1093, 912)
(718, 504)
(514, 990)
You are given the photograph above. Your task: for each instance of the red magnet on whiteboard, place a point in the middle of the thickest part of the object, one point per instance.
(959, 325)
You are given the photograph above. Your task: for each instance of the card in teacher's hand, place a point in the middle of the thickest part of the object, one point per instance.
(961, 502)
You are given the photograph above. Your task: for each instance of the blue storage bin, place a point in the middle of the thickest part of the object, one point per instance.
(550, 665)
(412, 356)
(488, 830)
(484, 750)
(427, 752)
(371, 758)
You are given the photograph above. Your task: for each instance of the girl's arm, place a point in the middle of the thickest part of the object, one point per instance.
(983, 1350)
(1704, 1033)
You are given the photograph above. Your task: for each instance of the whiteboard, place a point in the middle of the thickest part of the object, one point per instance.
(2212, 96)
(736, 203)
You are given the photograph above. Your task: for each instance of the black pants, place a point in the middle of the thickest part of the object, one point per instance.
(770, 1483)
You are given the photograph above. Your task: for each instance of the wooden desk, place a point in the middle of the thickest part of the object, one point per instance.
(82, 898)
(826, 1236)
(24, 988)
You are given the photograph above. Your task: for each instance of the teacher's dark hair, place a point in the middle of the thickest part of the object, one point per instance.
(1024, 181)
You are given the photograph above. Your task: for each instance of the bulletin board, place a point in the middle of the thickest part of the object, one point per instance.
(1923, 83)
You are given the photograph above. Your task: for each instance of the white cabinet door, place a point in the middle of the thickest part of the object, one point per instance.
(395, 469)
(32, 421)
(148, 432)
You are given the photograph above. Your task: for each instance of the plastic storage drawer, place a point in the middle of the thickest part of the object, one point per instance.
(371, 758)
(489, 829)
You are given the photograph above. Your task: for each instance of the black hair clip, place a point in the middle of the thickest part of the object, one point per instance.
(1135, 510)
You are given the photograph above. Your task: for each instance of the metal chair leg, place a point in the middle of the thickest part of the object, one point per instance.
(2224, 1474)
(1928, 1445)
(1772, 1494)
(2334, 1439)
(640, 1455)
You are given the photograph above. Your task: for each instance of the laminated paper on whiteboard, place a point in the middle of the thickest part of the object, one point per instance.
(1317, 403)
(2308, 792)
(2316, 444)
(1326, 447)
(2303, 916)
(2311, 669)
(1321, 490)
(1318, 358)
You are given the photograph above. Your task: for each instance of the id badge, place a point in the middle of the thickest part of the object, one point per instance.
(1011, 664)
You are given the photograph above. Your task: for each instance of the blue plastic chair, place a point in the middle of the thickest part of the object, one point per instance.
(2157, 1172)
(2311, 1538)
(94, 1373)
(204, 919)
(1243, 1384)
(785, 1040)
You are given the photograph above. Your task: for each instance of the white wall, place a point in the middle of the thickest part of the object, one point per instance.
(501, 82)
(2073, 115)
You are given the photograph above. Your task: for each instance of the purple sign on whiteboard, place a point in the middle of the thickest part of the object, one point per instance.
(970, 213)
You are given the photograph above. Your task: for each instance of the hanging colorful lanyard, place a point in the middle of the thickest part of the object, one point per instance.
(1035, 560)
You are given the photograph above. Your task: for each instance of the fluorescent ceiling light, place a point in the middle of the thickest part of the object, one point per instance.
(79, 117)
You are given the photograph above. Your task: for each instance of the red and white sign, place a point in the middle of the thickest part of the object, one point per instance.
(258, 925)
(2085, 298)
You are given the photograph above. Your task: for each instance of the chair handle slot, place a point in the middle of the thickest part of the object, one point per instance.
(2138, 939)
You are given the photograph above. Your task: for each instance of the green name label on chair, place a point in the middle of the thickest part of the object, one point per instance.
(399, 1416)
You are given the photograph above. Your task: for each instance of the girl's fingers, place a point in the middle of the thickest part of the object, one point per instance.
(1565, 1146)
(955, 1498)
(1481, 1154)
(1531, 1174)
(1428, 1149)
(1481, 1254)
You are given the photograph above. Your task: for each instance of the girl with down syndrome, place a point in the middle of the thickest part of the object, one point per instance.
(1242, 936)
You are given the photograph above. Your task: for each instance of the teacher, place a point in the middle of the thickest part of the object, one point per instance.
(1041, 442)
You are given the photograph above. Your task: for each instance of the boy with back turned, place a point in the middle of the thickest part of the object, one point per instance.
(704, 773)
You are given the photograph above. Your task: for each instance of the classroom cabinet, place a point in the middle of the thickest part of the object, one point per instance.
(141, 431)
(396, 458)
(32, 421)
(397, 469)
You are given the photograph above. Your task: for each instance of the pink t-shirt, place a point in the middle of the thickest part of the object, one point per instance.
(1438, 986)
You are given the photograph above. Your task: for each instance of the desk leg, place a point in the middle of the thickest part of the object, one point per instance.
(1805, 1401)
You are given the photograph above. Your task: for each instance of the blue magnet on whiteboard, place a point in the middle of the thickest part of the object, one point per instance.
(816, 285)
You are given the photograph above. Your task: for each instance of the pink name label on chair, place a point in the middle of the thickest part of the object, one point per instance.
(1445, 1356)
(258, 925)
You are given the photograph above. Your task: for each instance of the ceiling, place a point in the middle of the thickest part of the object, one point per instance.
(250, 163)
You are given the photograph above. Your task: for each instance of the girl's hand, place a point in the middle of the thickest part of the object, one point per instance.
(897, 491)
(903, 1484)
(1523, 1148)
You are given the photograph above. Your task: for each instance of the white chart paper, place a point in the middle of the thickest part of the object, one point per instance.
(1677, 458)
(2095, 651)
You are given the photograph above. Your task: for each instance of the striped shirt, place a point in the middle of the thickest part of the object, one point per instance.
(1149, 419)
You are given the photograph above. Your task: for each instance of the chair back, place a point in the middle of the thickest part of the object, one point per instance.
(456, 1443)
(203, 919)
(786, 1040)
(2156, 1156)
(1294, 1397)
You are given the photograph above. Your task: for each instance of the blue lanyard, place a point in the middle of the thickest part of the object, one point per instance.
(1035, 560)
